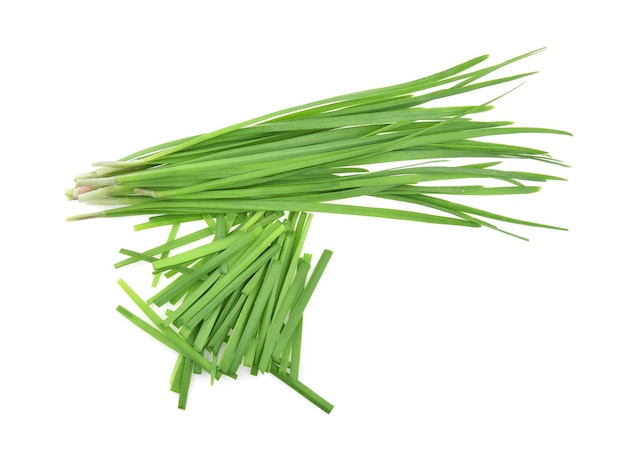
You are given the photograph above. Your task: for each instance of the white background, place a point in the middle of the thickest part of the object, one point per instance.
(426, 338)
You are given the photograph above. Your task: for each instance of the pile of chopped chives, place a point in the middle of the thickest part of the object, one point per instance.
(239, 297)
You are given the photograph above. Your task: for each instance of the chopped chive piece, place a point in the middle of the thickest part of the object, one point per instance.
(182, 241)
(170, 238)
(185, 381)
(201, 251)
(303, 390)
(175, 381)
(294, 368)
(220, 232)
(213, 371)
(284, 359)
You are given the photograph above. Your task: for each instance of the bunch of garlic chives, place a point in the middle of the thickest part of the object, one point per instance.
(302, 158)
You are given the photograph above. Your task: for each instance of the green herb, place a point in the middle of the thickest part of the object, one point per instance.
(238, 291)
(225, 312)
